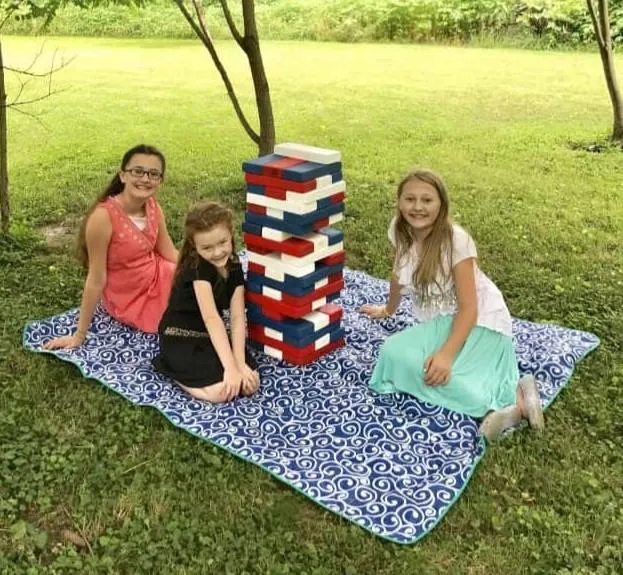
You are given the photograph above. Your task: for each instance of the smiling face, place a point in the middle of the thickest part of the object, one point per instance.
(214, 245)
(419, 204)
(143, 186)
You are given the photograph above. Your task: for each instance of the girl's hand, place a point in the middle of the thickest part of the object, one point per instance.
(437, 367)
(66, 342)
(233, 381)
(375, 311)
(250, 380)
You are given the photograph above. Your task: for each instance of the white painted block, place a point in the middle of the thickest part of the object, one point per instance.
(296, 206)
(317, 194)
(271, 293)
(319, 303)
(318, 318)
(335, 218)
(313, 257)
(276, 235)
(274, 274)
(278, 214)
(268, 350)
(323, 181)
(274, 262)
(324, 340)
(273, 333)
(321, 283)
(320, 241)
(308, 153)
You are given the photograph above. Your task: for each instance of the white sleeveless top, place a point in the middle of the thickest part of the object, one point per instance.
(492, 310)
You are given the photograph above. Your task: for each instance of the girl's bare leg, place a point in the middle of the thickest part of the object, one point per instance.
(215, 393)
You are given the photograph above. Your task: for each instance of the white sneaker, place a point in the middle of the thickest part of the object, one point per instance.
(500, 420)
(532, 403)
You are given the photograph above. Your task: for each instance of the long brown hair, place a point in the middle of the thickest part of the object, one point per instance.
(114, 188)
(202, 217)
(438, 242)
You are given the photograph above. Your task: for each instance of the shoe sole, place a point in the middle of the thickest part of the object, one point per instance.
(499, 421)
(532, 403)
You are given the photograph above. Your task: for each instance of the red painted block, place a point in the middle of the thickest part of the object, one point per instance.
(275, 168)
(280, 184)
(334, 259)
(293, 246)
(256, 268)
(261, 210)
(289, 310)
(259, 250)
(337, 198)
(335, 312)
(275, 193)
(321, 224)
(269, 310)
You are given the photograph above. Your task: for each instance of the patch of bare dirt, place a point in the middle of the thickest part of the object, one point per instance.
(58, 236)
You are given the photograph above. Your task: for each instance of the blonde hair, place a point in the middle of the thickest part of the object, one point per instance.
(438, 242)
(202, 217)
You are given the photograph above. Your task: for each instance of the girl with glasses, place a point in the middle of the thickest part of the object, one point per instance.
(126, 248)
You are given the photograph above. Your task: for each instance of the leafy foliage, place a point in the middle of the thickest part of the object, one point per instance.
(547, 23)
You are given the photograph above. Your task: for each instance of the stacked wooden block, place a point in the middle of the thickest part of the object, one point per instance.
(296, 259)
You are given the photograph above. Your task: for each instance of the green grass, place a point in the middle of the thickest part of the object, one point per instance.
(149, 498)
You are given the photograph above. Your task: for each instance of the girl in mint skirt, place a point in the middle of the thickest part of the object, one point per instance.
(461, 354)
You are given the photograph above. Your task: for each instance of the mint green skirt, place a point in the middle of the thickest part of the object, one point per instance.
(484, 373)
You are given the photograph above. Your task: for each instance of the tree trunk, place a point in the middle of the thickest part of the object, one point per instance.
(251, 41)
(601, 24)
(607, 60)
(5, 211)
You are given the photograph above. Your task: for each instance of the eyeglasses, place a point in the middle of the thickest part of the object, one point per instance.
(140, 172)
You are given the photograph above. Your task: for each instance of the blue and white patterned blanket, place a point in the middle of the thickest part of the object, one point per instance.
(391, 464)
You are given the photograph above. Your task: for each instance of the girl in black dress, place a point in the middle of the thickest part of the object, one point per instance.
(195, 349)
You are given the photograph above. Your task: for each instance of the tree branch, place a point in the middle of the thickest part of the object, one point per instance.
(198, 31)
(33, 116)
(49, 93)
(598, 32)
(232, 25)
(207, 42)
(51, 71)
(8, 15)
(201, 19)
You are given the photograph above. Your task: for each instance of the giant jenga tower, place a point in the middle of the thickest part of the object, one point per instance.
(296, 259)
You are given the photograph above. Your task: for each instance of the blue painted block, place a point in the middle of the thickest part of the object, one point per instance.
(252, 229)
(256, 189)
(256, 166)
(297, 226)
(335, 236)
(321, 214)
(310, 171)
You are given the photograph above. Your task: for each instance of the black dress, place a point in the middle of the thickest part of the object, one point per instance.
(186, 351)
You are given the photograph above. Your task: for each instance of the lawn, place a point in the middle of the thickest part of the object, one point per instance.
(139, 496)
